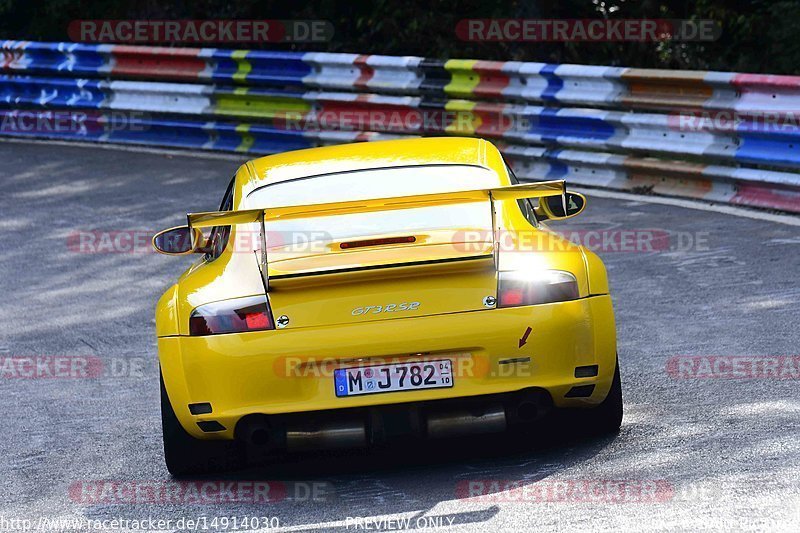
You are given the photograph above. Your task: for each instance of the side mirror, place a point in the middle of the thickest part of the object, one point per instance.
(178, 241)
(552, 207)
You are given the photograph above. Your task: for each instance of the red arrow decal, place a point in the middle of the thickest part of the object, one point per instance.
(524, 339)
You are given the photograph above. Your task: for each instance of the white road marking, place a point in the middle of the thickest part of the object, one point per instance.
(136, 149)
(700, 205)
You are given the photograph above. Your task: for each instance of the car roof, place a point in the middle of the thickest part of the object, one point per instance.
(368, 155)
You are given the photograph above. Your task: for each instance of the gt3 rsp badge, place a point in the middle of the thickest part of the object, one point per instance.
(388, 308)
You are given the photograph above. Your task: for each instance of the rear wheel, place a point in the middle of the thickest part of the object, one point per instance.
(607, 417)
(604, 419)
(185, 455)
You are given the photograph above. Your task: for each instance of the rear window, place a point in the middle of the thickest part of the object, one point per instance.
(372, 183)
(377, 183)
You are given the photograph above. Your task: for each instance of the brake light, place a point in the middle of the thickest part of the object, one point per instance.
(231, 316)
(377, 242)
(511, 297)
(258, 320)
(517, 288)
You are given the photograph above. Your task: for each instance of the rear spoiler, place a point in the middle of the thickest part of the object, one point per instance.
(512, 192)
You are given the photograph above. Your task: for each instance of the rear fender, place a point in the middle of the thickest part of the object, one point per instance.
(167, 313)
(596, 272)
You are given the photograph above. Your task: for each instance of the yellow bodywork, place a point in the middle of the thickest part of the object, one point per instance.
(290, 370)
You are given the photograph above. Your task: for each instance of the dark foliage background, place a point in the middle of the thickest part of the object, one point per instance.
(757, 35)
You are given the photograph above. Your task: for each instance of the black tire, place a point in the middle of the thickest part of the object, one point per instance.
(185, 455)
(606, 418)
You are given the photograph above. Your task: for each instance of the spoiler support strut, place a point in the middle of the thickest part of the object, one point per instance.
(263, 264)
(495, 240)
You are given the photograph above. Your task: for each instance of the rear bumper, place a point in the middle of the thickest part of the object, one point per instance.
(291, 370)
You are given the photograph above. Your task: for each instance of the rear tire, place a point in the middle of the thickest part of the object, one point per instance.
(603, 419)
(185, 455)
(606, 418)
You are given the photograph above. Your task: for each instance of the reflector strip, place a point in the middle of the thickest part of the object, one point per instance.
(210, 426)
(200, 408)
(586, 371)
(580, 391)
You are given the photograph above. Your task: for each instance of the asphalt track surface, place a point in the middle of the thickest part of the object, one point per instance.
(723, 453)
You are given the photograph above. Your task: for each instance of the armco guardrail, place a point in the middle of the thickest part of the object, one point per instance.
(720, 136)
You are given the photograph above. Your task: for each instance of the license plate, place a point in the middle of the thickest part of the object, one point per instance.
(394, 377)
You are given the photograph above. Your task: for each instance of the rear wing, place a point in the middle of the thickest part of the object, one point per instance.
(261, 216)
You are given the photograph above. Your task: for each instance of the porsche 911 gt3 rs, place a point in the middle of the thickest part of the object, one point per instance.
(348, 295)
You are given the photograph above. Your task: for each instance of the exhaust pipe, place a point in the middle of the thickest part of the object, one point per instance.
(527, 411)
(256, 431)
(487, 419)
(344, 434)
(301, 433)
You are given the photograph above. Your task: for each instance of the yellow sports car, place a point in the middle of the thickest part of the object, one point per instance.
(351, 294)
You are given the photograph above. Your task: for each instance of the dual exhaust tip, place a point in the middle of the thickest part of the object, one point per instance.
(261, 432)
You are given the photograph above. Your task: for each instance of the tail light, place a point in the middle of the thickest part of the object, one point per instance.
(523, 288)
(231, 316)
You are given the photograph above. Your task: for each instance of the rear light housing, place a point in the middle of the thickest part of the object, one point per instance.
(238, 315)
(515, 288)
